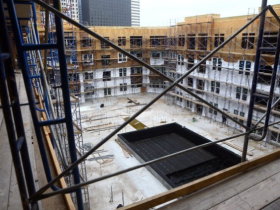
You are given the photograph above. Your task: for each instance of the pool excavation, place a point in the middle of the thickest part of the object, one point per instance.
(152, 143)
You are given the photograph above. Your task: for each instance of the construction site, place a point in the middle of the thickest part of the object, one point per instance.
(185, 116)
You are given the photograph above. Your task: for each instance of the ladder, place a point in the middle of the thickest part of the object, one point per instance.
(13, 118)
(34, 79)
(256, 81)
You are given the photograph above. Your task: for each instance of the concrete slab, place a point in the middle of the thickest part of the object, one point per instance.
(140, 184)
(9, 192)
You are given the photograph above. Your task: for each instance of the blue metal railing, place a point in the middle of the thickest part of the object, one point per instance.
(29, 78)
(15, 127)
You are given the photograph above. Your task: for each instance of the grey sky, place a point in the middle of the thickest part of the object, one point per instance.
(164, 12)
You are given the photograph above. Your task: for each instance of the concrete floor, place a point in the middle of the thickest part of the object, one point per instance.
(9, 192)
(99, 122)
(131, 187)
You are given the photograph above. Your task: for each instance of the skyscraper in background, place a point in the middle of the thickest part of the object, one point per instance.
(107, 12)
(135, 12)
(70, 8)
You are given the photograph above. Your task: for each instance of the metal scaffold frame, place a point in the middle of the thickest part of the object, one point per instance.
(31, 79)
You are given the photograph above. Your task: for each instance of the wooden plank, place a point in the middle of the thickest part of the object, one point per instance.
(273, 205)
(218, 193)
(62, 182)
(237, 147)
(133, 101)
(202, 183)
(254, 197)
(136, 124)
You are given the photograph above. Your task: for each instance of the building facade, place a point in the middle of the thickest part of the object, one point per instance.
(224, 80)
(71, 8)
(135, 12)
(106, 12)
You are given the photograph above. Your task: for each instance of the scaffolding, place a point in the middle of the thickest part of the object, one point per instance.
(68, 120)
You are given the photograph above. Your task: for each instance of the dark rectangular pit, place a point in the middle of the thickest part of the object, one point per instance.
(152, 143)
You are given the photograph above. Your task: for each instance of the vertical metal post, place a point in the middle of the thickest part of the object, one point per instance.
(28, 86)
(254, 81)
(35, 20)
(12, 138)
(12, 135)
(15, 103)
(67, 103)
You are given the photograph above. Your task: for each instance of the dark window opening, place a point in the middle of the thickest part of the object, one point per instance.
(123, 87)
(270, 40)
(122, 72)
(156, 55)
(136, 70)
(161, 70)
(248, 40)
(244, 40)
(215, 87)
(105, 59)
(181, 40)
(199, 108)
(247, 67)
(242, 114)
(86, 41)
(190, 61)
(200, 85)
(217, 64)
(202, 41)
(191, 41)
(180, 59)
(122, 41)
(202, 67)
(219, 39)
(210, 109)
(157, 83)
(107, 91)
(157, 41)
(265, 74)
(136, 41)
(73, 77)
(172, 41)
(106, 75)
(136, 81)
(190, 82)
(105, 45)
(261, 100)
(251, 40)
(137, 54)
(241, 93)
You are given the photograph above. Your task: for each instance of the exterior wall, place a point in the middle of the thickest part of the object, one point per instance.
(170, 50)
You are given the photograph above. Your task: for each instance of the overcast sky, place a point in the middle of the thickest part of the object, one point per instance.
(164, 12)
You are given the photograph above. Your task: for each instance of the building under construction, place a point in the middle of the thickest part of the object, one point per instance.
(179, 117)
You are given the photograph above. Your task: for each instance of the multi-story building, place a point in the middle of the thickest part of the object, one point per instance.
(96, 70)
(71, 8)
(223, 80)
(135, 12)
(107, 12)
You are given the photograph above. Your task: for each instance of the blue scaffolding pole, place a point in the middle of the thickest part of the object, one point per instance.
(29, 78)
